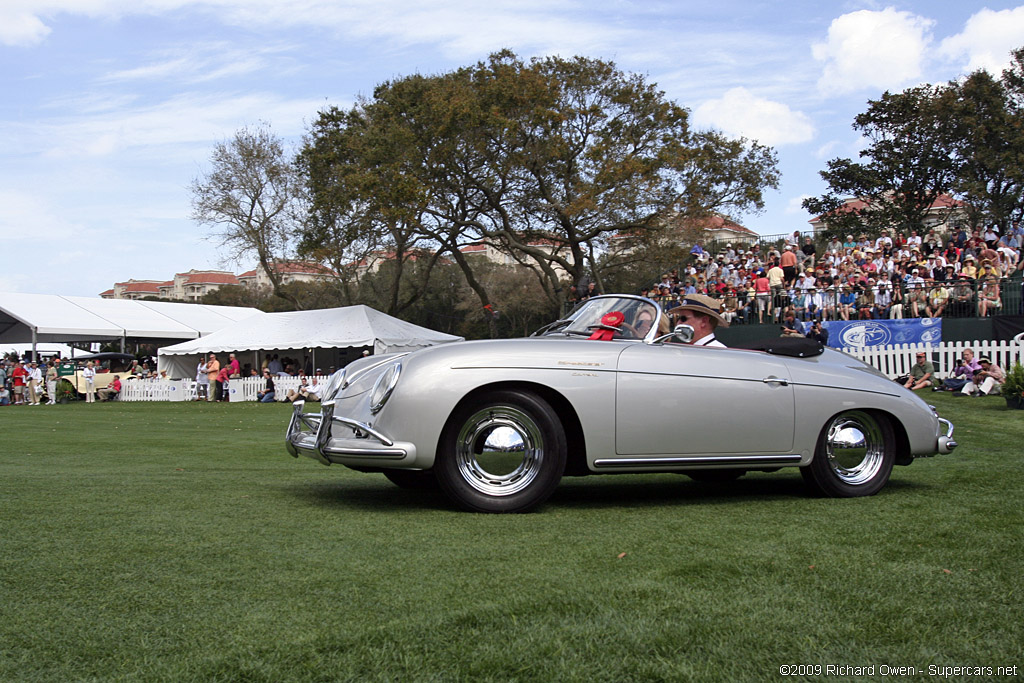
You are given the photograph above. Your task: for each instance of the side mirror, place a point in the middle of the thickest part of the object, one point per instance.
(682, 334)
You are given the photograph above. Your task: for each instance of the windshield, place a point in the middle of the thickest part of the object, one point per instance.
(629, 317)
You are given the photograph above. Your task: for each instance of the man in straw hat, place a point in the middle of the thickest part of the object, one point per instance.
(703, 314)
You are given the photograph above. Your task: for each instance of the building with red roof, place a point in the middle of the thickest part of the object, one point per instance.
(133, 289)
(289, 271)
(945, 210)
(194, 284)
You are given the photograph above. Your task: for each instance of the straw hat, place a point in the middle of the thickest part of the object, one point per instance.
(701, 303)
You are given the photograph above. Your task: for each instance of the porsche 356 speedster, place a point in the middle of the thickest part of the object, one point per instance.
(497, 424)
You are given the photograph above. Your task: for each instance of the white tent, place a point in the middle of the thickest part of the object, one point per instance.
(351, 327)
(34, 318)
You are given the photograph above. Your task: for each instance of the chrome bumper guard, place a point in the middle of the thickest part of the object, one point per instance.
(310, 434)
(946, 443)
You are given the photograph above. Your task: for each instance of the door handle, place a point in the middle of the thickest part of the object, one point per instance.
(776, 380)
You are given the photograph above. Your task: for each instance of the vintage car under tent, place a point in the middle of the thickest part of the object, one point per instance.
(47, 318)
(325, 338)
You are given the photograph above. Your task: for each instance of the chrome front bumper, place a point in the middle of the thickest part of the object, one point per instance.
(946, 444)
(310, 434)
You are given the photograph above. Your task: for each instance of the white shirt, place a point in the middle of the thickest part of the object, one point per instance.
(89, 374)
(709, 341)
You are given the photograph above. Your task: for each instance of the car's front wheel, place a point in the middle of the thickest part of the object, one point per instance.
(855, 455)
(503, 453)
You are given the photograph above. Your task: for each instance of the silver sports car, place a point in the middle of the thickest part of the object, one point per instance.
(608, 389)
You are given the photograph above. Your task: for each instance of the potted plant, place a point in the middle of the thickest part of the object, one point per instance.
(1013, 387)
(66, 391)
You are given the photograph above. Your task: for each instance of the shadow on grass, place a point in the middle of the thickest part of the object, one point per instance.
(592, 492)
(365, 494)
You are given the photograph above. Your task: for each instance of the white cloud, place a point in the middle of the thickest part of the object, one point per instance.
(875, 50)
(795, 205)
(186, 119)
(21, 28)
(199, 64)
(458, 28)
(986, 41)
(825, 151)
(741, 113)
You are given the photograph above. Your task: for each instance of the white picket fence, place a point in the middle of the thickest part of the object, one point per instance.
(896, 359)
(239, 389)
(893, 360)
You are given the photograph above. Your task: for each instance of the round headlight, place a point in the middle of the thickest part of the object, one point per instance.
(334, 383)
(384, 386)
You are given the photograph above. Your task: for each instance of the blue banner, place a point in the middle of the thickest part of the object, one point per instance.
(861, 333)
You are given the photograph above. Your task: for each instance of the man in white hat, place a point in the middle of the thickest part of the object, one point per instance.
(703, 314)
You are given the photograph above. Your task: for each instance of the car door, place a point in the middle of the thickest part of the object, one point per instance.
(686, 400)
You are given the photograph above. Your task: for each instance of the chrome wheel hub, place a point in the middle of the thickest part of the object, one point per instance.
(499, 451)
(855, 447)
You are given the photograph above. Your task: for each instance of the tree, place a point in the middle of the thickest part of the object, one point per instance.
(251, 199)
(908, 164)
(544, 161)
(364, 207)
(988, 148)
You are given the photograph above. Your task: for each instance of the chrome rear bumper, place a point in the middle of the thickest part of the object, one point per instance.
(310, 434)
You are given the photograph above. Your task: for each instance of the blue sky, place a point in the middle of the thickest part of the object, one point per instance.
(110, 108)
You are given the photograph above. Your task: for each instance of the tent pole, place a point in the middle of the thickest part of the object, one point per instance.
(35, 338)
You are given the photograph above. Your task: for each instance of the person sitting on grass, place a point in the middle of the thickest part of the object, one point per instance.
(962, 373)
(986, 381)
(922, 374)
(305, 392)
(267, 395)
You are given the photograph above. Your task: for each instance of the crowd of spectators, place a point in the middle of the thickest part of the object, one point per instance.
(24, 382)
(897, 275)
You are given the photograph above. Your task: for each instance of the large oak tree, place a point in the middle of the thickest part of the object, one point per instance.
(543, 160)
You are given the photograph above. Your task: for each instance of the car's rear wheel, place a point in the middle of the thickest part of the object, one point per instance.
(855, 455)
(412, 479)
(503, 453)
(715, 476)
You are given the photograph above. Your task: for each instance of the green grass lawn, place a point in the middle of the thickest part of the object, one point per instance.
(167, 541)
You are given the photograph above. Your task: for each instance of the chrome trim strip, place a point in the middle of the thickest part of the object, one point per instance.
(759, 460)
(397, 453)
(305, 443)
(363, 427)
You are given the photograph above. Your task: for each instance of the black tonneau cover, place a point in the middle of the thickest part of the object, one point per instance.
(797, 347)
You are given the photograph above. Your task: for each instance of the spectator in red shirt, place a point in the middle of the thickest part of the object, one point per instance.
(19, 376)
(222, 379)
(761, 294)
(111, 390)
(234, 370)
